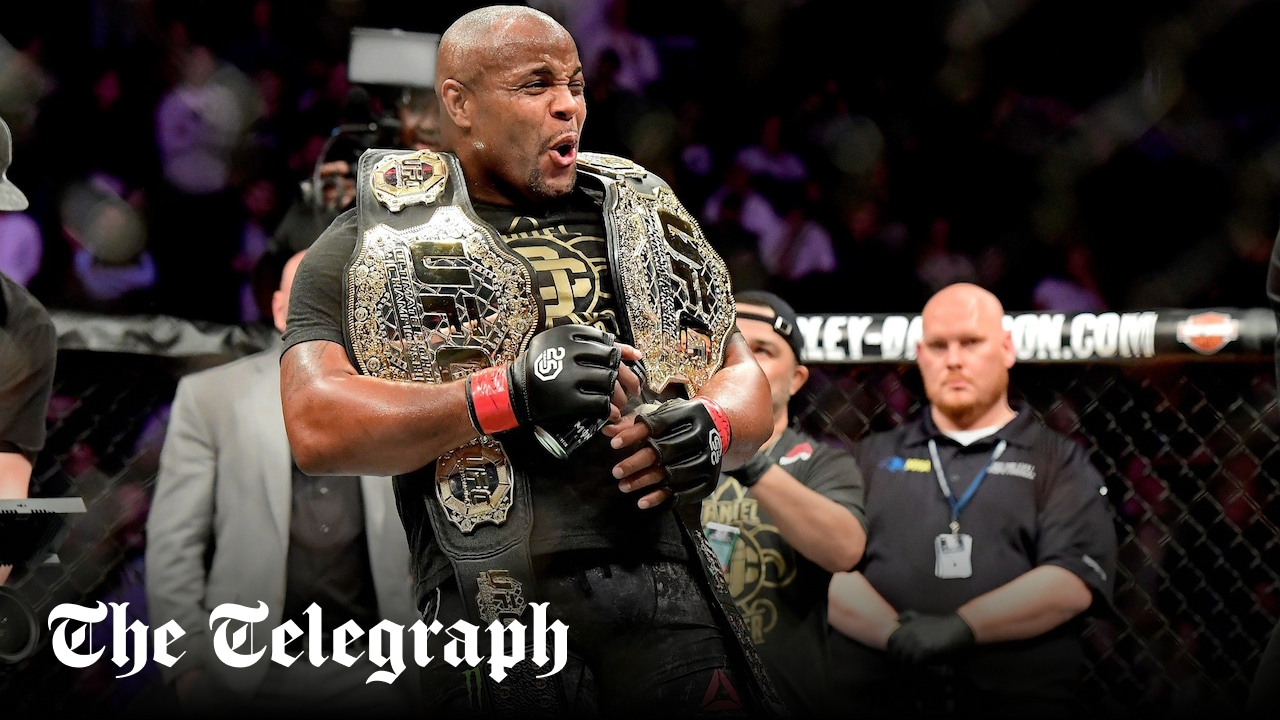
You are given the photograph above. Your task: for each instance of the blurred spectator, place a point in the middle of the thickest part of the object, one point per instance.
(802, 246)
(1071, 287)
(614, 110)
(270, 137)
(112, 272)
(738, 246)
(259, 201)
(757, 215)
(198, 124)
(694, 180)
(258, 47)
(24, 82)
(418, 111)
(21, 246)
(875, 269)
(939, 265)
(196, 220)
(775, 169)
(638, 65)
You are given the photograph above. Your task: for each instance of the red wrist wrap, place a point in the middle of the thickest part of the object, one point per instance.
(491, 400)
(719, 417)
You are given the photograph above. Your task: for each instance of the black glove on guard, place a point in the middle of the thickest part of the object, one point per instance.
(923, 638)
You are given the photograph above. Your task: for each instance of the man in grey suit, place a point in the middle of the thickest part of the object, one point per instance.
(233, 520)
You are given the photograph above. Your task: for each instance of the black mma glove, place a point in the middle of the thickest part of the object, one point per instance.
(755, 468)
(568, 372)
(923, 638)
(690, 437)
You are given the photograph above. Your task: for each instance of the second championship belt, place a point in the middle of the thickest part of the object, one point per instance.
(679, 307)
(434, 295)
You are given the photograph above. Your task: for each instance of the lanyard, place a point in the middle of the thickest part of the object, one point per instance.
(958, 505)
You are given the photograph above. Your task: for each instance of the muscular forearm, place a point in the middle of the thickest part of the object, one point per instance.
(1029, 605)
(816, 526)
(859, 612)
(343, 423)
(741, 388)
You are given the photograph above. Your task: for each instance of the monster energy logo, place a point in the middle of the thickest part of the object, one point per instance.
(475, 688)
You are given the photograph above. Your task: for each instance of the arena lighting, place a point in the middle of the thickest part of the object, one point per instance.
(392, 57)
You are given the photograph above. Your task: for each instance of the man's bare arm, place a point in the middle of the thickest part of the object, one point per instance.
(859, 612)
(815, 525)
(343, 423)
(741, 388)
(1030, 605)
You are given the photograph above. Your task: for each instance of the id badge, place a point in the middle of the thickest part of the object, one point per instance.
(952, 556)
(722, 538)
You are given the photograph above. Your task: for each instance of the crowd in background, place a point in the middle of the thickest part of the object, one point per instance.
(849, 156)
(852, 157)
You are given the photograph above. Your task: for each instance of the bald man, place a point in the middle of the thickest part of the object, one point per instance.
(988, 535)
(475, 324)
(234, 520)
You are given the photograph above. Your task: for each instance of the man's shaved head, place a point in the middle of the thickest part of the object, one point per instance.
(489, 36)
(964, 356)
(969, 299)
(512, 103)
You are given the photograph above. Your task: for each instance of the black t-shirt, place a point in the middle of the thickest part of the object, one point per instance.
(577, 504)
(781, 593)
(28, 351)
(1041, 503)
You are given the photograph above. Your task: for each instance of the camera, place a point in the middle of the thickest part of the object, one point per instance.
(389, 69)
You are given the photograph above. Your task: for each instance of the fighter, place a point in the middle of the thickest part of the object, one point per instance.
(539, 344)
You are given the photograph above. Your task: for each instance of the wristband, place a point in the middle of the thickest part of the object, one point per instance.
(754, 469)
(719, 417)
(489, 401)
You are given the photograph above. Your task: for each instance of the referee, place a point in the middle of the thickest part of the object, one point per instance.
(987, 536)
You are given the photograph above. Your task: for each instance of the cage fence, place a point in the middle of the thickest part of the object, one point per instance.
(1186, 443)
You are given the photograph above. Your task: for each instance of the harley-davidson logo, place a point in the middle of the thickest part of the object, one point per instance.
(1208, 332)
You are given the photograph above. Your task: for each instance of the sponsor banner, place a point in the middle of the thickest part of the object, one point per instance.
(1055, 337)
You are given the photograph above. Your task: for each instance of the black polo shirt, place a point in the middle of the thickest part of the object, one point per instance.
(1041, 503)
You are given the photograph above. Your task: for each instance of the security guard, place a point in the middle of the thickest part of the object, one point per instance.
(988, 534)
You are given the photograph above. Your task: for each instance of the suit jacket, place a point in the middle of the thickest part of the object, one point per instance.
(223, 496)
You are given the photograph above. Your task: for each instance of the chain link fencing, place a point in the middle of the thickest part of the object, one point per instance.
(1186, 446)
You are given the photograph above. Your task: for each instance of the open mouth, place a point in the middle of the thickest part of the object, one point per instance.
(565, 152)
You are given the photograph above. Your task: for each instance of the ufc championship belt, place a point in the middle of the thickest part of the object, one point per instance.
(434, 294)
(677, 302)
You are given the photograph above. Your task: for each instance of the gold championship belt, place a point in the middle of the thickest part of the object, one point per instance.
(674, 287)
(434, 302)
(434, 294)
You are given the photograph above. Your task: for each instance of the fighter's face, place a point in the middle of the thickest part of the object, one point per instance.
(964, 359)
(528, 114)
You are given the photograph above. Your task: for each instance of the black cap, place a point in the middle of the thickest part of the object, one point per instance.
(783, 320)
